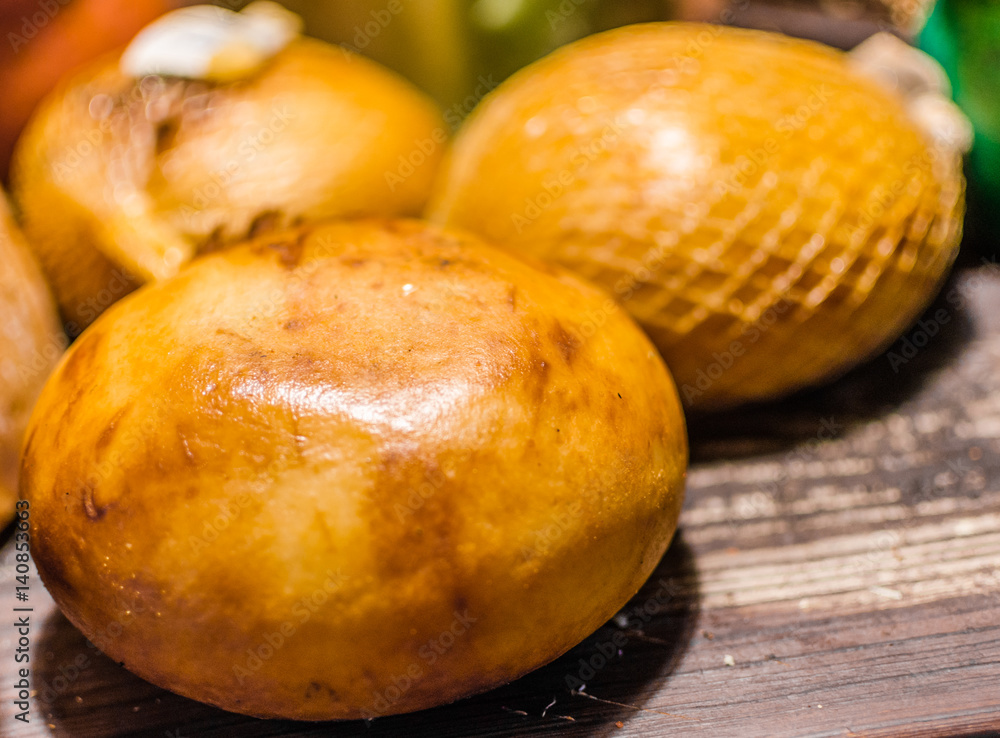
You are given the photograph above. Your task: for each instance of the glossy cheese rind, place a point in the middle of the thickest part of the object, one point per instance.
(391, 450)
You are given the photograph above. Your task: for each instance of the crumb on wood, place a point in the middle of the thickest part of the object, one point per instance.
(729, 660)
(641, 635)
(581, 693)
(886, 593)
(514, 712)
(548, 706)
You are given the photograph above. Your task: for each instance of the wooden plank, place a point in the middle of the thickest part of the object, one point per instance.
(840, 550)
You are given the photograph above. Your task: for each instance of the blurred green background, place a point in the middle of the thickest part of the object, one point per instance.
(452, 48)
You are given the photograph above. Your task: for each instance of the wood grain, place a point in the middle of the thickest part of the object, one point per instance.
(837, 572)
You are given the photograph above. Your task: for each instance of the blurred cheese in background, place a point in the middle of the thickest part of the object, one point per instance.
(41, 40)
(31, 342)
(122, 175)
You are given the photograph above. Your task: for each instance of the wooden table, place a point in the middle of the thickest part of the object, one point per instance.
(837, 572)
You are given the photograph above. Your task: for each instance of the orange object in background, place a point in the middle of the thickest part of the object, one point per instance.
(40, 40)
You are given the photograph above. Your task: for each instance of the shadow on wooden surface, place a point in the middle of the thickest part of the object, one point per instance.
(606, 678)
(871, 390)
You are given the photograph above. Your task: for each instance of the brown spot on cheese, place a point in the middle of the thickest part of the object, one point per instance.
(413, 516)
(166, 134)
(290, 249)
(108, 434)
(538, 378)
(567, 343)
(93, 511)
(512, 298)
(266, 221)
(216, 242)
